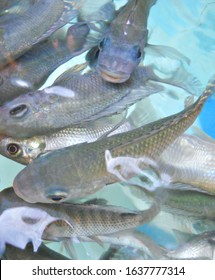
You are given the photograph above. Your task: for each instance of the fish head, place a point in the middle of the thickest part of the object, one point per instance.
(21, 150)
(42, 180)
(117, 59)
(22, 114)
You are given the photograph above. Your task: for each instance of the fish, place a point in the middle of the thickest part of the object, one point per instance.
(30, 71)
(74, 98)
(131, 245)
(190, 160)
(122, 48)
(200, 247)
(82, 169)
(82, 220)
(43, 253)
(41, 19)
(26, 150)
(187, 211)
(68, 97)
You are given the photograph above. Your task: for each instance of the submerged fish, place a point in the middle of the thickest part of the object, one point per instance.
(131, 245)
(36, 24)
(186, 211)
(200, 247)
(190, 160)
(76, 98)
(30, 71)
(82, 220)
(26, 150)
(79, 170)
(73, 98)
(123, 46)
(43, 253)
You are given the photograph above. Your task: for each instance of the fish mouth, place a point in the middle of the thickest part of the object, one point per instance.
(20, 194)
(113, 77)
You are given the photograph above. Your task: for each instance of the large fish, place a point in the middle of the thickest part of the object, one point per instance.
(73, 98)
(79, 170)
(20, 33)
(123, 46)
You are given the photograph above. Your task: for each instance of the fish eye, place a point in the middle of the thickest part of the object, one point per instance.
(13, 149)
(57, 196)
(19, 111)
(136, 52)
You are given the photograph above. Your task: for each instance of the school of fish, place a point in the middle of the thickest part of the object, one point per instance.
(93, 130)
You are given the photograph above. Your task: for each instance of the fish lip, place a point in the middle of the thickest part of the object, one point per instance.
(113, 77)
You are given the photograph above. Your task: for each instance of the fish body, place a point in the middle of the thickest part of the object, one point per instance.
(36, 24)
(199, 247)
(74, 98)
(79, 170)
(29, 71)
(123, 46)
(84, 220)
(190, 160)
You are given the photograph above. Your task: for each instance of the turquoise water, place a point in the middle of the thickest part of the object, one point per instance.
(187, 26)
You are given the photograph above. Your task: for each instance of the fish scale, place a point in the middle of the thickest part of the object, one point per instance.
(79, 170)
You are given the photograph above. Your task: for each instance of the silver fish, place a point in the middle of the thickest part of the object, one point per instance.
(200, 247)
(190, 160)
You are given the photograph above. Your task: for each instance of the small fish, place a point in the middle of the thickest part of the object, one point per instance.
(79, 170)
(131, 245)
(200, 247)
(190, 160)
(187, 211)
(83, 221)
(26, 150)
(123, 46)
(43, 253)
(30, 71)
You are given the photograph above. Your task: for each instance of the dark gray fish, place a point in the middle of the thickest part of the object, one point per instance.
(18, 33)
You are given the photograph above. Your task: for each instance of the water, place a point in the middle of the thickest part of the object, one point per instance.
(188, 26)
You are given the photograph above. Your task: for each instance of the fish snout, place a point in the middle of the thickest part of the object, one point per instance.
(112, 76)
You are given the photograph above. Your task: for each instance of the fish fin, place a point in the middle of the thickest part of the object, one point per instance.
(181, 236)
(70, 12)
(189, 100)
(96, 201)
(92, 56)
(144, 113)
(56, 228)
(167, 52)
(201, 134)
(128, 100)
(185, 187)
(69, 248)
(113, 129)
(76, 69)
(180, 78)
(97, 240)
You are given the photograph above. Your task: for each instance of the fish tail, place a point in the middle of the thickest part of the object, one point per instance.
(147, 215)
